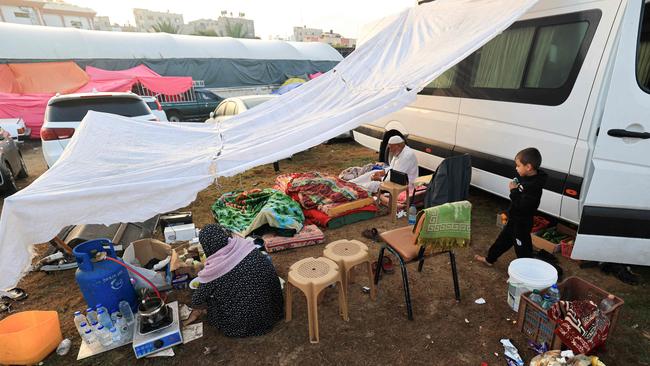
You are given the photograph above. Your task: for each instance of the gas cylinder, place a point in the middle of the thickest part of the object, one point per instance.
(102, 281)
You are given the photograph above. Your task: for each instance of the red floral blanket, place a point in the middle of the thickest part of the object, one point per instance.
(580, 325)
(314, 189)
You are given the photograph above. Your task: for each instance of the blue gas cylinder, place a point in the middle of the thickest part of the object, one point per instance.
(102, 281)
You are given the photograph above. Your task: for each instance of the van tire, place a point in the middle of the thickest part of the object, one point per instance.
(8, 181)
(174, 116)
(23, 169)
(383, 148)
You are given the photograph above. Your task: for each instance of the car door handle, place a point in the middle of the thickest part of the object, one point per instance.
(616, 132)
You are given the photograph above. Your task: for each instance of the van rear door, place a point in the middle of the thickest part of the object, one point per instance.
(615, 218)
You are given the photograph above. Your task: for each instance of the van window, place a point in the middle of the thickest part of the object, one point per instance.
(535, 61)
(501, 62)
(554, 55)
(643, 53)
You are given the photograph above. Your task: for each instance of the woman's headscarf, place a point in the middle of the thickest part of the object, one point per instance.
(213, 237)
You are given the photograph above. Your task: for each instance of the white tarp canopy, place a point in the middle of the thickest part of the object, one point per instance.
(121, 170)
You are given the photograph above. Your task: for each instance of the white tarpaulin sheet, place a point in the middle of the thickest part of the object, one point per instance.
(121, 170)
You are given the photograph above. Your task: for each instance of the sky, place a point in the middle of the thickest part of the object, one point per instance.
(272, 17)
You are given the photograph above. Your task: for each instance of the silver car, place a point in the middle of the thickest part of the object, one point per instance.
(12, 165)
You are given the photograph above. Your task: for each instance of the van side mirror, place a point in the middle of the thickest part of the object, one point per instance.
(212, 114)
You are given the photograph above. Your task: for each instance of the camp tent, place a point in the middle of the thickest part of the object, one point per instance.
(218, 61)
(157, 167)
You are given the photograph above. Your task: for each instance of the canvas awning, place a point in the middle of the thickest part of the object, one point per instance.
(158, 167)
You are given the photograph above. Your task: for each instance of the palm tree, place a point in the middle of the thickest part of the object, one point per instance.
(237, 30)
(165, 27)
(207, 33)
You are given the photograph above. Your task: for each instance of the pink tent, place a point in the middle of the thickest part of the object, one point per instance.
(15, 79)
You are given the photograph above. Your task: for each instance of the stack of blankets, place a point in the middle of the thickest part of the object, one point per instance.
(327, 201)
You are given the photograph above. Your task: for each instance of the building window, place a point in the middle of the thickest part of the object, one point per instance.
(76, 24)
(643, 52)
(20, 14)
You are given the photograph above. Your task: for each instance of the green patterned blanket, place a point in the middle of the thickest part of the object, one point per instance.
(446, 227)
(245, 211)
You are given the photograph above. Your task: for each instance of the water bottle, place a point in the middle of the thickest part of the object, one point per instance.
(607, 303)
(547, 302)
(104, 336)
(554, 293)
(536, 297)
(100, 307)
(79, 319)
(121, 323)
(413, 212)
(125, 309)
(91, 315)
(115, 335)
(104, 319)
(89, 337)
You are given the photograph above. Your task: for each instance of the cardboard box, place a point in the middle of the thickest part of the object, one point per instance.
(541, 243)
(180, 233)
(140, 252)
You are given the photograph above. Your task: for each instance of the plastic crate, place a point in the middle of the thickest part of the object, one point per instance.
(536, 325)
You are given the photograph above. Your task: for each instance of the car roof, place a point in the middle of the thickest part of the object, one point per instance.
(62, 97)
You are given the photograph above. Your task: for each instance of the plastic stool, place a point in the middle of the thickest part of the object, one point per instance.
(394, 191)
(348, 254)
(311, 276)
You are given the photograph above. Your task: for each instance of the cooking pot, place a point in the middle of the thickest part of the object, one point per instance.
(153, 311)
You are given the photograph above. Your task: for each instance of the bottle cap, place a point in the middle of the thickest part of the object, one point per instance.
(88, 331)
(93, 323)
(77, 313)
(113, 330)
(100, 311)
(83, 324)
(89, 310)
(100, 327)
(611, 297)
(98, 306)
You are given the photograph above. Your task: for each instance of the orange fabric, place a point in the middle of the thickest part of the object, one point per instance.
(48, 77)
(8, 82)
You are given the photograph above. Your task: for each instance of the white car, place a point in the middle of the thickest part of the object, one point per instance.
(233, 106)
(156, 108)
(64, 113)
(16, 127)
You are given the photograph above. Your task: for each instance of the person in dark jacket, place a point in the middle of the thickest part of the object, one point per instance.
(525, 196)
(239, 285)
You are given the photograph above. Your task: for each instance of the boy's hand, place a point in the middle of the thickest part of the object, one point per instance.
(512, 185)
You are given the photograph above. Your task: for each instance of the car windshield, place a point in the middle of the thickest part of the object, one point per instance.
(73, 110)
(253, 102)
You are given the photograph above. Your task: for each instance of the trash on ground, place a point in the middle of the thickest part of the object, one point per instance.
(185, 312)
(480, 301)
(192, 332)
(556, 357)
(169, 352)
(466, 320)
(64, 347)
(511, 352)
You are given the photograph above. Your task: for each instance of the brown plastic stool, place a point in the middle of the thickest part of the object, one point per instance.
(348, 254)
(311, 276)
(394, 191)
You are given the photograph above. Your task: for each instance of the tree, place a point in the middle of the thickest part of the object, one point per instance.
(207, 33)
(165, 27)
(237, 30)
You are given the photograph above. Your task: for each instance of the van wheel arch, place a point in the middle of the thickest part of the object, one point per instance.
(173, 115)
(383, 148)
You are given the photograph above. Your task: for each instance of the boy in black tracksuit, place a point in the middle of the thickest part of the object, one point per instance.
(525, 195)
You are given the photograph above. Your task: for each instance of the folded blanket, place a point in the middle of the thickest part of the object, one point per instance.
(337, 209)
(314, 216)
(243, 212)
(314, 189)
(309, 235)
(446, 226)
(580, 325)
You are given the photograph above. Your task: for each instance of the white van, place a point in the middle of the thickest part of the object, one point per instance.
(571, 78)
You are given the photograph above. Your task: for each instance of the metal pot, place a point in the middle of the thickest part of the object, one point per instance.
(153, 311)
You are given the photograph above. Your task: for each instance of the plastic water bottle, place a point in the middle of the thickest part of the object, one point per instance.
(413, 212)
(91, 315)
(104, 336)
(607, 303)
(89, 337)
(100, 307)
(536, 297)
(126, 311)
(121, 323)
(104, 319)
(115, 335)
(79, 319)
(554, 293)
(547, 302)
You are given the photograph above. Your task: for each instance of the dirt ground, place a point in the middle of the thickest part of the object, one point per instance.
(443, 333)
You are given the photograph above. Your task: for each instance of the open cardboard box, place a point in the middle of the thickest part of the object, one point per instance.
(145, 250)
(548, 246)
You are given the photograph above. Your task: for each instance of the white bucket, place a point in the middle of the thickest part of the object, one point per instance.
(527, 274)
